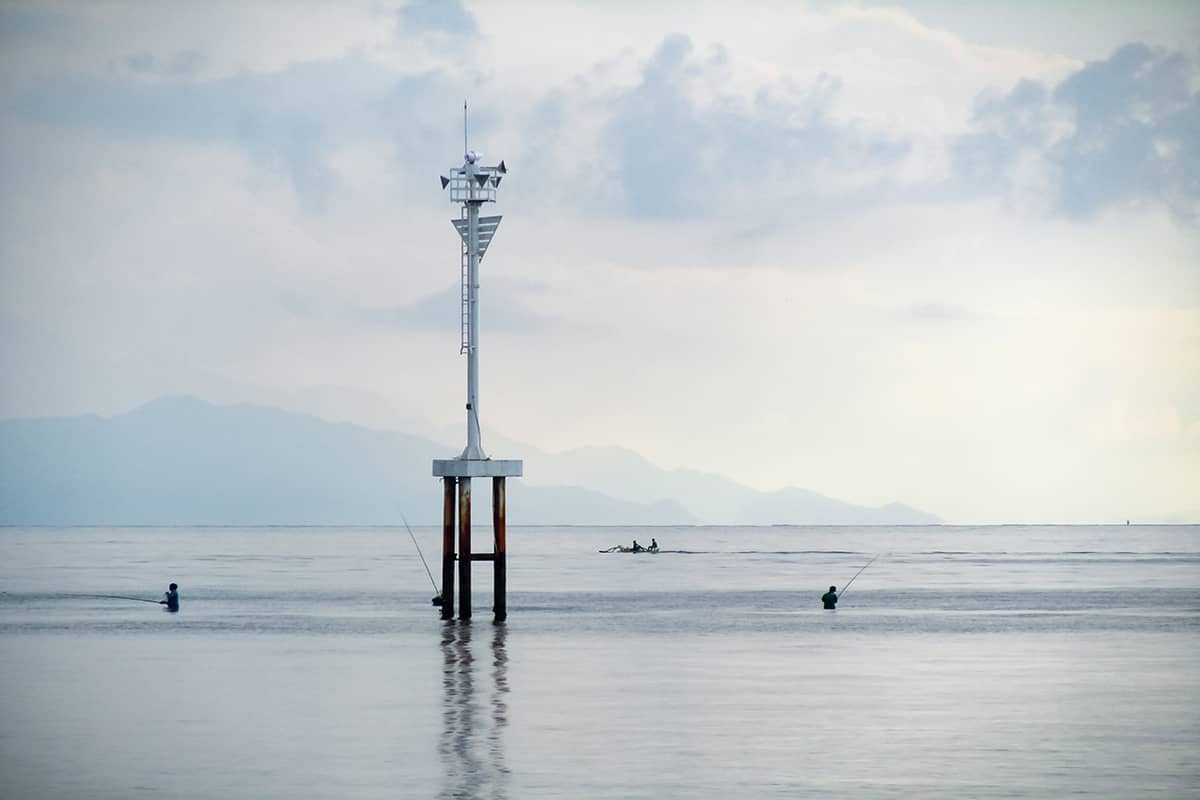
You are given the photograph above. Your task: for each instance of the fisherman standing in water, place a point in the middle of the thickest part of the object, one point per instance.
(829, 599)
(171, 596)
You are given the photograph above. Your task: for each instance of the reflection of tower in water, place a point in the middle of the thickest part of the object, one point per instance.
(472, 740)
(499, 699)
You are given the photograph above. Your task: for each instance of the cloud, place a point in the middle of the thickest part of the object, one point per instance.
(1137, 131)
(685, 146)
(438, 16)
(652, 134)
(503, 309)
(293, 120)
(1123, 130)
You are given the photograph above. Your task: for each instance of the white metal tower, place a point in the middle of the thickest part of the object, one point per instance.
(472, 185)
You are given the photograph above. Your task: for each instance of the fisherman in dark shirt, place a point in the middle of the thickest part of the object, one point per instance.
(637, 548)
(653, 548)
(171, 596)
(829, 599)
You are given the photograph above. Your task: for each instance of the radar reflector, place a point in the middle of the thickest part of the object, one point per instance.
(487, 229)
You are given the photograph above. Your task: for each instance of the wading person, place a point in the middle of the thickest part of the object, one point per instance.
(829, 599)
(171, 598)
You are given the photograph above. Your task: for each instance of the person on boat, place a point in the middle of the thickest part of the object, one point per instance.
(171, 598)
(637, 548)
(653, 548)
(830, 598)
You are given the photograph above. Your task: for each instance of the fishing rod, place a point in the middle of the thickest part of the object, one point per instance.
(124, 597)
(846, 588)
(427, 572)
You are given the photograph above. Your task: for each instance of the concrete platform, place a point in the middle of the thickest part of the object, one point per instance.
(477, 468)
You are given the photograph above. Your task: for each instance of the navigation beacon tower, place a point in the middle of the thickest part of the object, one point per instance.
(472, 185)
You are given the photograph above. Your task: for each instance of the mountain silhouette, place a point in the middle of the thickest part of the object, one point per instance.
(184, 461)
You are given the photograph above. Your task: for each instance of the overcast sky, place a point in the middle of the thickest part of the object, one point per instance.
(940, 253)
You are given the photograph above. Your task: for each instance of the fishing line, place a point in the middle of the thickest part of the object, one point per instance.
(846, 588)
(123, 597)
(427, 572)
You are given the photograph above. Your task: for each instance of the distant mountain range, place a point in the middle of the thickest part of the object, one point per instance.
(183, 461)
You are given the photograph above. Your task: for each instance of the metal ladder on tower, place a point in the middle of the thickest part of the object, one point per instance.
(465, 326)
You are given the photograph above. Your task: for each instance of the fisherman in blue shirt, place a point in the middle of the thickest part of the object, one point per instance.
(172, 598)
(830, 598)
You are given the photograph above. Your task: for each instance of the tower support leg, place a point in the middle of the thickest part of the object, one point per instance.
(448, 491)
(464, 548)
(499, 576)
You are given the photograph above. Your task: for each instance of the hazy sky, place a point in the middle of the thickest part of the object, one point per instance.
(940, 253)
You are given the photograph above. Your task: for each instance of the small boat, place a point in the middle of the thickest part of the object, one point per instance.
(620, 548)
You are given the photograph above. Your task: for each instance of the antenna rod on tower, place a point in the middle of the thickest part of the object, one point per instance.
(465, 148)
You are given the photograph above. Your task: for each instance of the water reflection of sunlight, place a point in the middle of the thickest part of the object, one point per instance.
(472, 741)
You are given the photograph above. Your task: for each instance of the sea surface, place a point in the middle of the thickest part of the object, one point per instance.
(1011, 661)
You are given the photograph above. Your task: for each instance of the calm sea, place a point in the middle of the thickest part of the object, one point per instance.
(1011, 661)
